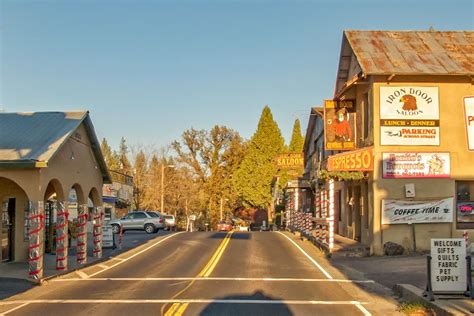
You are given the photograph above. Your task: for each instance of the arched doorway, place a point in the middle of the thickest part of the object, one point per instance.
(54, 194)
(14, 209)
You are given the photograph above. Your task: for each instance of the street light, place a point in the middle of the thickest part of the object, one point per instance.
(163, 185)
(222, 200)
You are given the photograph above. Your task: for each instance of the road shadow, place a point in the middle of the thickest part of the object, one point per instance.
(10, 287)
(235, 235)
(247, 309)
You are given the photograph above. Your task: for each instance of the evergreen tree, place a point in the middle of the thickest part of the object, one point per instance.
(110, 156)
(124, 163)
(254, 176)
(297, 140)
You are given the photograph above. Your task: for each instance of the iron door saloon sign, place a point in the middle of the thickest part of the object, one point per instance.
(416, 165)
(409, 116)
(407, 212)
(448, 265)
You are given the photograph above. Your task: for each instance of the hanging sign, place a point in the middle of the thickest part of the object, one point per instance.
(408, 212)
(339, 125)
(469, 113)
(415, 165)
(409, 116)
(107, 236)
(290, 160)
(448, 265)
(357, 160)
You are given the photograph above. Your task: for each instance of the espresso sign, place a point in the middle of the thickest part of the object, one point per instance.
(469, 113)
(416, 165)
(448, 265)
(357, 160)
(408, 212)
(291, 160)
(409, 116)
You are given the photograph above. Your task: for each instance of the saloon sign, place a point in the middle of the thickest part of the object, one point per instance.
(408, 212)
(291, 160)
(416, 165)
(357, 160)
(409, 116)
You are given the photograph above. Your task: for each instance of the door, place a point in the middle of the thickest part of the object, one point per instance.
(8, 229)
(127, 221)
(139, 220)
(357, 213)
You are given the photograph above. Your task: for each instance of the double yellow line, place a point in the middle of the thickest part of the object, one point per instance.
(177, 309)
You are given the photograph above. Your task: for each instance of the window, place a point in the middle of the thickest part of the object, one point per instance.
(153, 214)
(465, 204)
(138, 215)
(108, 214)
(366, 115)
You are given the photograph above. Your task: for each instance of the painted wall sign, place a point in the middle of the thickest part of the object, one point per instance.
(465, 212)
(339, 125)
(290, 160)
(448, 265)
(416, 165)
(357, 160)
(407, 212)
(469, 113)
(409, 116)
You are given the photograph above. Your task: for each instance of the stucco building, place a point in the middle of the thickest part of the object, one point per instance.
(43, 157)
(410, 176)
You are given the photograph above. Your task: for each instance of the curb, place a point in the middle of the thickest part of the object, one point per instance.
(45, 280)
(412, 293)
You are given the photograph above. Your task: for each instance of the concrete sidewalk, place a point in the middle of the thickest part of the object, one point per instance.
(14, 276)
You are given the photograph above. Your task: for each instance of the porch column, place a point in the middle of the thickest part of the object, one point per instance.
(36, 239)
(98, 217)
(81, 250)
(62, 239)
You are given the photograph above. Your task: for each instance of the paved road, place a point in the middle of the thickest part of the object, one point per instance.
(240, 273)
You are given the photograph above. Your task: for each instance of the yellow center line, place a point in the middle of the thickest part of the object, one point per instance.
(177, 309)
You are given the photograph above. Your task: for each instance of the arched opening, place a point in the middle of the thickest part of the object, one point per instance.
(76, 200)
(14, 212)
(93, 201)
(54, 193)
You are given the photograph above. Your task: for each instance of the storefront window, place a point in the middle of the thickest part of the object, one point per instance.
(465, 204)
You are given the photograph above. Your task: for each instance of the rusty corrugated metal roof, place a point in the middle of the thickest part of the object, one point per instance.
(413, 52)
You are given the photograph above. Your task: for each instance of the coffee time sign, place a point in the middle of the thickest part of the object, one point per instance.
(409, 116)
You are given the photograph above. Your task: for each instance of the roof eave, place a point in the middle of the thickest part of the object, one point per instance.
(22, 164)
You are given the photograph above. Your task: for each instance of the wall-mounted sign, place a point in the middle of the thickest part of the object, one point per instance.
(469, 113)
(416, 165)
(339, 125)
(290, 160)
(448, 265)
(409, 116)
(357, 160)
(408, 212)
(465, 212)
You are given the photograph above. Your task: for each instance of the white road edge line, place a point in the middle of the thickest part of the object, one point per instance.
(308, 256)
(14, 309)
(135, 254)
(215, 279)
(362, 309)
(190, 301)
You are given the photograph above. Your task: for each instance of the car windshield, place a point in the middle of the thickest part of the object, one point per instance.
(153, 214)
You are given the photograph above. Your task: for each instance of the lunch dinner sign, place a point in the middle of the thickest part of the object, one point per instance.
(409, 116)
(411, 212)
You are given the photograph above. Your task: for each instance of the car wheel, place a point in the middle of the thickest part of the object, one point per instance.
(115, 229)
(149, 228)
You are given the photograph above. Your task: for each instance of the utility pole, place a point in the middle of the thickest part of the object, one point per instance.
(222, 207)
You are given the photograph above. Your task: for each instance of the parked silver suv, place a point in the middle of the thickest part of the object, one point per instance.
(148, 221)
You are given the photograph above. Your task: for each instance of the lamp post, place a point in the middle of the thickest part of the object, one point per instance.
(163, 185)
(222, 200)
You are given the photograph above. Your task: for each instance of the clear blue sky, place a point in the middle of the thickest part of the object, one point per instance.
(148, 70)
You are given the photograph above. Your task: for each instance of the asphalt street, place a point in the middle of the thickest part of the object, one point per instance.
(201, 273)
